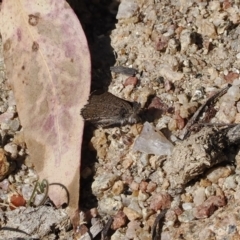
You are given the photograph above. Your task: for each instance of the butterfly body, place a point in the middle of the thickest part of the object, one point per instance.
(106, 109)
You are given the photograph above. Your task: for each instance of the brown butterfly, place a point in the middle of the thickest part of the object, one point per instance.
(105, 109)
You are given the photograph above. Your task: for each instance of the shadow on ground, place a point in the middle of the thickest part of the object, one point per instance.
(98, 19)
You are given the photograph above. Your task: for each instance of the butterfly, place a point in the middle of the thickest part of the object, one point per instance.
(105, 109)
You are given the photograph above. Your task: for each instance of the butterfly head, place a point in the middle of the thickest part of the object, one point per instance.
(133, 115)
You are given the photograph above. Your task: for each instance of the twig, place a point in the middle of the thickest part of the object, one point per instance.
(124, 70)
(157, 228)
(67, 192)
(13, 230)
(212, 100)
(106, 229)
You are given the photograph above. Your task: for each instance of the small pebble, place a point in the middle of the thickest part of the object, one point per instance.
(143, 186)
(119, 220)
(117, 235)
(5, 166)
(151, 187)
(102, 183)
(230, 182)
(199, 196)
(11, 148)
(118, 187)
(160, 201)
(209, 206)
(4, 184)
(131, 214)
(152, 142)
(38, 199)
(27, 191)
(14, 124)
(219, 172)
(132, 228)
(186, 216)
(187, 206)
(210, 191)
(109, 206)
(130, 81)
(127, 9)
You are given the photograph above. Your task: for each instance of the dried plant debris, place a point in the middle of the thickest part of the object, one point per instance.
(124, 70)
(105, 109)
(94, 230)
(199, 152)
(104, 235)
(157, 226)
(213, 99)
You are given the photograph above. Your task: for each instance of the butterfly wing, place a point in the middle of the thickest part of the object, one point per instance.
(106, 109)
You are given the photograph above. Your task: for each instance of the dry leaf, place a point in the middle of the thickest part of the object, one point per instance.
(48, 66)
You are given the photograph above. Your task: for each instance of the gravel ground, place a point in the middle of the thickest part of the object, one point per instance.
(184, 52)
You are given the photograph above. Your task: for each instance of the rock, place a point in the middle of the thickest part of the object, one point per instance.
(209, 206)
(142, 197)
(14, 124)
(205, 183)
(127, 9)
(103, 182)
(130, 81)
(199, 196)
(160, 201)
(11, 148)
(182, 98)
(109, 205)
(151, 141)
(4, 184)
(206, 28)
(186, 216)
(131, 232)
(157, 103)
(131, 214)
(143, 186)
(162, 43)
(119, 220)
(214, 6)
(185, 39)
(234, 93)
(230, 182)
(118, 187)
(179, 119)
(210, 191)
(151, 186)
(118, 235)
(27, 190)
(99, 143)
(187, 206)
(134, 186)
(5, 166)
(171, 217)
(231, 76)
(89, 214)
(167, 72)
(218, 172)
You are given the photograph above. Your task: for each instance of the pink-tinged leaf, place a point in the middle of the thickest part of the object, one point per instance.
(48, 66)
